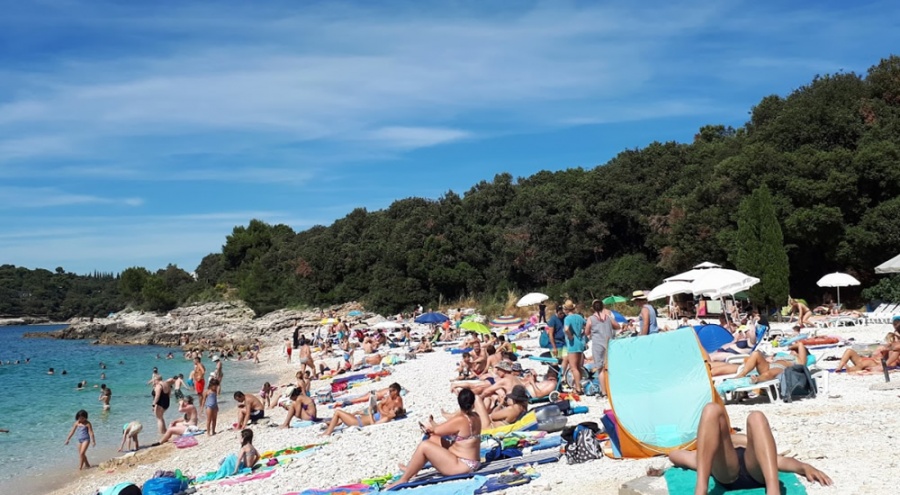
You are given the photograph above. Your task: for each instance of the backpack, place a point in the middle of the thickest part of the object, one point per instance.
(581, 443)
(544, 341)
(796, 381)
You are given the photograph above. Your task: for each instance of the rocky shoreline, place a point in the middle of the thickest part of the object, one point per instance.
(230, 324)
(25, 320)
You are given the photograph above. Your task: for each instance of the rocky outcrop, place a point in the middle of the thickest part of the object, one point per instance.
(221, 324)
(25, 320)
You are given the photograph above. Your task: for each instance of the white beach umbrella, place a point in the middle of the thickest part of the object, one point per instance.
(720, 282)
(531, 299)
(837, 279)
(691, 275)
(890, 266)
(668, 289)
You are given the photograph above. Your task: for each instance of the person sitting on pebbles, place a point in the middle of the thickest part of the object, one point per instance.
(301, 407)
(250, 409)
(383, 411)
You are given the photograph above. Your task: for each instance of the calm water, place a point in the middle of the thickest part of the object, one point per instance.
(39, 409)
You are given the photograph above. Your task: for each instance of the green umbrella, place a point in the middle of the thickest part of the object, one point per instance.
(615, 299)
(474, 326)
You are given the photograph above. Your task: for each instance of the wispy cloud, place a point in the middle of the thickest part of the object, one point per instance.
(45, 197)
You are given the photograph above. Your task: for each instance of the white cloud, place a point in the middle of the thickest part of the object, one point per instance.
(416, 137)
(44, 197)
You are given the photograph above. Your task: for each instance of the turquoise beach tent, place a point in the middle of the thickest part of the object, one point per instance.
(658, 385)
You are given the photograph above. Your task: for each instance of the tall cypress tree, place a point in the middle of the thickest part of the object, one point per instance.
(760, 248)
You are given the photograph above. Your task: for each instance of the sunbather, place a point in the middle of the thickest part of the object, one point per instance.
(384, 411)
(857, 363)
(501, 383)
(452, 447)
(767, 368)
(504, 412)
(185, 424)
(544, 387)
(802, 310)
(302, 407)
(739, 461)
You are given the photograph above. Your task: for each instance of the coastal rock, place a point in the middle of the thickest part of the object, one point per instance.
(25, 320)
(230, 324)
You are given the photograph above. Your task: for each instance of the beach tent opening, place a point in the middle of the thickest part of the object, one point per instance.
(658, 385)
(712, 337)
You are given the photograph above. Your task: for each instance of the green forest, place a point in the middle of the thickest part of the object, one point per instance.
(828, 154)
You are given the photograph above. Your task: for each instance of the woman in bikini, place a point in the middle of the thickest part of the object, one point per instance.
(384, 411)
(302, 408)
(767, 368)
(452, 447)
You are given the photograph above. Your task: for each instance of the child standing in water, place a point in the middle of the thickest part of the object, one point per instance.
(211, 401)
(85, 434)
(248, 456)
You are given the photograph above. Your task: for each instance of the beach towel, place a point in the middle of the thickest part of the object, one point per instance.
(226, 468)
(494, 467)
(683, 481)
(184, 442)
(528, 422)
(459, 487)
(250, 477)
(503, 482)
(290, 450)
(355, 489)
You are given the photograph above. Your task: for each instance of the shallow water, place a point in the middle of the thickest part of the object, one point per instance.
(39, 409)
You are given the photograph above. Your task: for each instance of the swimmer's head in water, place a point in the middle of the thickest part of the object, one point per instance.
(466, 400)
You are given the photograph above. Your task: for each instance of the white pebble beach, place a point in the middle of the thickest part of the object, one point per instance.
(851, 433)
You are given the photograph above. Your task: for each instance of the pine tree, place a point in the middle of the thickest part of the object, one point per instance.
(760, 248)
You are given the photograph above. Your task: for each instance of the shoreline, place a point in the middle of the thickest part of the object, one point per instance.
(114, 462)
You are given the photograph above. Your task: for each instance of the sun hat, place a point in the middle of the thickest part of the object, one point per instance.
(504, 365)
(638, 295)
(517, 367)
(215, 358)
(518, 394)
(569, 305)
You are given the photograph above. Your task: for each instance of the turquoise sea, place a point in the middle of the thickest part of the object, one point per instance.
(39, 409)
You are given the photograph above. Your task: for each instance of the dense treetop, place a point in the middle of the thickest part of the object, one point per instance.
(829, 154)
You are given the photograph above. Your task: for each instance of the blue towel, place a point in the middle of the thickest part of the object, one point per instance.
(683, 481)
(226, 469)
(461, 487)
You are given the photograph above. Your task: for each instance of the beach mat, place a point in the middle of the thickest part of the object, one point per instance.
(683, 481)
(493, 467)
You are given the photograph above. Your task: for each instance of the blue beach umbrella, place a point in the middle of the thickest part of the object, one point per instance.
(712, 337)
(431, 318)
(620, 318)
(355, 313)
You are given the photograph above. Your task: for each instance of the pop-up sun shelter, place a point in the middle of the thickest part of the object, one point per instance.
(658, 385)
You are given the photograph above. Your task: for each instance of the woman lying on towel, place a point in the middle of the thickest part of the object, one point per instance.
(384, 411)
(889, 352)
(768, 368)
(739, 462)
(452, 447)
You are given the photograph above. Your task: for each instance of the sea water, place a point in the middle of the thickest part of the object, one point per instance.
(39, 409)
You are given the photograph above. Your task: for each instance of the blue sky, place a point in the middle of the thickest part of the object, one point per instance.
(141, 133)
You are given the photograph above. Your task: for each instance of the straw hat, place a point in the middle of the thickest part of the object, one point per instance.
(638, 295)
(569, 305)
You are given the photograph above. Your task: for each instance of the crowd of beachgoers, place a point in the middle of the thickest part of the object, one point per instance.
(389, 399)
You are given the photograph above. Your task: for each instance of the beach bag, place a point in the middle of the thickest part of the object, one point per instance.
(164, 486)
(581, 443)
(796, 381)
(544, 341)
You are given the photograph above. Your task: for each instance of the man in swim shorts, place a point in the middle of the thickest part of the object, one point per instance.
(250, 409)
(199, 378)
(739, 462)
